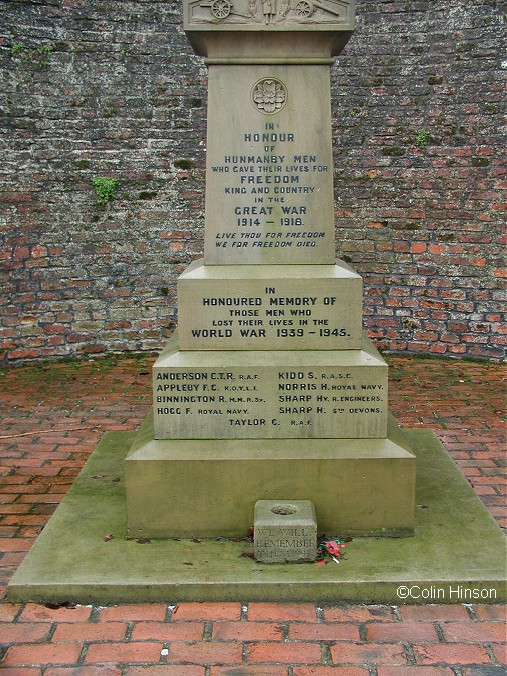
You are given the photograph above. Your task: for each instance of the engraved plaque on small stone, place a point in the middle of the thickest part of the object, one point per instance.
(285, 531)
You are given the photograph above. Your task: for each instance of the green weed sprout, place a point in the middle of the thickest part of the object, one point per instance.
(421, 138)
(105, 188)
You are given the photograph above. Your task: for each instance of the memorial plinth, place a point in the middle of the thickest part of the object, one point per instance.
(270, 394)
(270, 307)
(269, 390)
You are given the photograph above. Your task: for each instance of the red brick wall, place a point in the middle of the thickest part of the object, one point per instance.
(421, 173)
(102, 88)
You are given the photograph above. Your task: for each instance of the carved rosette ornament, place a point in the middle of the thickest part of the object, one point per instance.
(269, 95)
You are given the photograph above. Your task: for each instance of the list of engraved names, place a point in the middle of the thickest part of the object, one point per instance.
(253, 402)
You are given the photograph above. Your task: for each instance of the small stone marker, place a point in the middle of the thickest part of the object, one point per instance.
(285, 531)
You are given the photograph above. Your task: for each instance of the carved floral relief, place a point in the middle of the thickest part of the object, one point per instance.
(269, 95)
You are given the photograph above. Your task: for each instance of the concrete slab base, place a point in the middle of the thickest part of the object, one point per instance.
(457, 554)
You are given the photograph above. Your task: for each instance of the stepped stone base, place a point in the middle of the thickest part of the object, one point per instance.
(208, 488)
(436, 564)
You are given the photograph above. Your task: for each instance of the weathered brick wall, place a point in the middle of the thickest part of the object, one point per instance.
(95, 88)
(421, 172)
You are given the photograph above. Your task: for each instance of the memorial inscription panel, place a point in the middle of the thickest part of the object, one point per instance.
(270, 308)
(269, 184)
(305, 394)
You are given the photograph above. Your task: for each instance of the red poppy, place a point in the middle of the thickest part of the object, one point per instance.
(333, 548)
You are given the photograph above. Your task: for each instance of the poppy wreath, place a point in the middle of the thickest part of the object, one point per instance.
(329, 550)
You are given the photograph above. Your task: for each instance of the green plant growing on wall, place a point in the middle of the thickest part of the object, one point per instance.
(421, 138)
(184, 164)
(36, 55)
(105, 188)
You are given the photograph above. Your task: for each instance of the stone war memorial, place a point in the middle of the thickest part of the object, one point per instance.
(270, 405)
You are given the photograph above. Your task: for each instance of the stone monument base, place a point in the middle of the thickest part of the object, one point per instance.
(456, 556)
(208, 487)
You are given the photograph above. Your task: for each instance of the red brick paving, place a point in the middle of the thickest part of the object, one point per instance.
(65, 409)
(247, 631)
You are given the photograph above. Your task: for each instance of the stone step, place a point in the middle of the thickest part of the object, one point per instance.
(209, 487)
(270, 307)
(270, 395)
